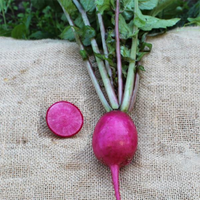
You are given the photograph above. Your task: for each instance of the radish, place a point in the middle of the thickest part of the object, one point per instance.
(114, 33)
(64, 119)
(115, 142)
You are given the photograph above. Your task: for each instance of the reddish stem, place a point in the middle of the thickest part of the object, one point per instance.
(105, 49)
(115, 178)
(119, 63)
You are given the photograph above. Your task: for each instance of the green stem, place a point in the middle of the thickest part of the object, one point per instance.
(106, 81)
(131, 70)
(4, 11)
(105, 49)
(97, 87)
(89, 66)
(135, 90)
(4, 18)
(3, 14)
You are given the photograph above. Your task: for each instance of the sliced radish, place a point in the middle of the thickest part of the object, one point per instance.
(64, 119)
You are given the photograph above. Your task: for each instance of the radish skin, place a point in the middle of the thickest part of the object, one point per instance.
(115, 142)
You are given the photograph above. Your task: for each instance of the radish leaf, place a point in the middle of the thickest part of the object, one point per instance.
(69, 6)
(194, 20)
(87, 33)
(103, 5)
(83, 54)
(140, 67)
(147, 4)
(162, 4)
(67, 34)
(88, 5)
(124, 29)
(147, 23)
(125, 52)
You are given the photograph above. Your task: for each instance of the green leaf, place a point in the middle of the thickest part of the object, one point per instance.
(87, 33)
(147, 4)
(128, 9)
(39, 4)
(83, 54)
(88, 5)
(20, 15)
(19, 31)
(128, 5)
(127, 15)
(79, 21)
(100, 56)
(194, 20)
(4, 5)
(147, 23)
(140, 67)
(103, 57)
(67, 34)
(15, 8)
(28, 21)
(39, 35)
(110, 42)
(5, 32)
(103, 5)
(68, 6)
(146, 47)
(162, 4)
(178, 8)
(124, 70)
(125, 52)
(124, 30)
(54, 5)
(194, 11)
(141, 55)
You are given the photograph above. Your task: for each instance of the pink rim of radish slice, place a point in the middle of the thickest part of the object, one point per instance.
(64, 119)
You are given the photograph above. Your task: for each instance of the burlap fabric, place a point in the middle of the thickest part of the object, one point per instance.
(36, 165)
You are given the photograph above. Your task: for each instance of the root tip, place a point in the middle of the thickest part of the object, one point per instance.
(115, 178)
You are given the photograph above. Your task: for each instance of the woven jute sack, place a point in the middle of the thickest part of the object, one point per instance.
(37, 165)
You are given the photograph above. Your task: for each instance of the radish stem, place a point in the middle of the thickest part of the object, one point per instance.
(108, 86)
(131, 69)
(97, 87)
(118, 53)
(115, 178)
(89, 66)
(133, 98)
(105, 49)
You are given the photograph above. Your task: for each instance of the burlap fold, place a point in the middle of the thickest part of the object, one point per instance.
(36, 165)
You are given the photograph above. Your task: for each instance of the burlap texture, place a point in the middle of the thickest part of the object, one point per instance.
(36, 165)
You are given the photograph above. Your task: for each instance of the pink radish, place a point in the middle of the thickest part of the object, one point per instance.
(115, 37)
(64, 119)
(115, 142)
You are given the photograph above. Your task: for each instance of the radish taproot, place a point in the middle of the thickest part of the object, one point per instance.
(116, 38)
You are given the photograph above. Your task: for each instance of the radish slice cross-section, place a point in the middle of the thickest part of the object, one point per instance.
(64, 119)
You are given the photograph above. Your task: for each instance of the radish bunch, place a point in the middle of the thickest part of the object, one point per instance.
(114, 33)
